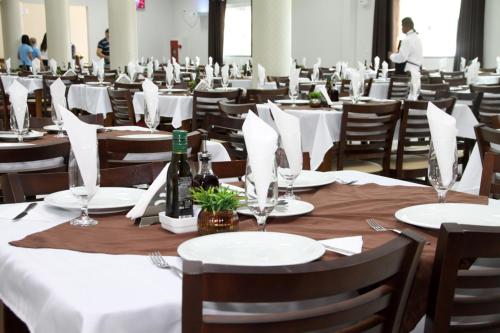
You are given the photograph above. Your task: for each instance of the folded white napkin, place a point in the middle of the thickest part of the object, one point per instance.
(69, 72)
(210, 61)
(376, 63)
(289, 129)
(261, 141)
(142, 61)
(472, 72)
(131, 69)
(150, 69)
(294, 77)
(315, 73)
(216, 69)
(498, 65)
(236, 70)
(415, 84)
(261, 75)
(174, 60)
(187, 61)
(476, 59)
(139, 70)
(304, 60)
(225, 72)
(123, 78)
(385, 69)
(463, 63)
(356, 81)
(318, 61)
(202, 85)
(18, 96)
(209, 74)
(156, 64)
(72, 64)
(151, 97)
(197, 62)
(35, 66)
(158, 184)
(322, 89)
(443, 135)
(8, 65)
(442, 65)
(53, 66)
(177, 72)
(344, 245)
(58, 95)
(83, 139)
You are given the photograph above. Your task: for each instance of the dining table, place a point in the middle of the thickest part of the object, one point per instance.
(91, 97)
(61, 278)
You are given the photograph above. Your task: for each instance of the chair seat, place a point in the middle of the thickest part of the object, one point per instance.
(363, 166)
(415, 162)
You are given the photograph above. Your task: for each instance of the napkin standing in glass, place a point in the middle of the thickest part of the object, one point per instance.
(414, 85)
(151, 111)
(19, 115)
(58, 96)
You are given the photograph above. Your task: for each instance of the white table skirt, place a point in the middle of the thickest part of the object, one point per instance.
(68, 291)
(30, 83)
(177, 107)
(94, 100)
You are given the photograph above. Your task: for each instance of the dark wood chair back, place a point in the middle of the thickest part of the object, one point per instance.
(22, 187)
(227, 129)
(324, 72)
(305, 88)
(47, 80)
(229, 169)
(133, 87)
(113, 151)
(490, 187)
(488, 100)
(40, 122)
(434, 91)
(487, 138)
(452, 75)
(281, 81)
(263, 95)
(121, 104)
(399, 87)
(366, 133)
(234, 109)
(205, 102)
(93, 78)
(4, 108)
(461, 299)
(377, 283)
(38, 153)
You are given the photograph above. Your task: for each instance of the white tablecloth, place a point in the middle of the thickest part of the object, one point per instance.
(31, 84)
(67, 291)
(93, 99)
(177, 107)
(492, 78)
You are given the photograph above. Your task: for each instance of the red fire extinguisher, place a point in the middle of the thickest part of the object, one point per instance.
(174, 49)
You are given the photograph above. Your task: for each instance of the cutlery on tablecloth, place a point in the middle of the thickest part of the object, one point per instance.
(339, 250)
(158, 261)
(24, 212)
(379, 228)
(343, 182)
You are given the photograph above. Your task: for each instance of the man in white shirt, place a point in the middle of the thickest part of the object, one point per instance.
(410, 50)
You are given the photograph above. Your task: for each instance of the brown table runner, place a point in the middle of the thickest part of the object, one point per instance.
(340, 210)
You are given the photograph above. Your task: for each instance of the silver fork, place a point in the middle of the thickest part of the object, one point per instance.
(379, 228)
(158, 261)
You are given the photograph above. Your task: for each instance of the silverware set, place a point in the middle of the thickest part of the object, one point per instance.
(379, 228)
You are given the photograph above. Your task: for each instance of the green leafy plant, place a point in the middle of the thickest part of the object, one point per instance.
(216, 199)
(192, 85)
(315, 95)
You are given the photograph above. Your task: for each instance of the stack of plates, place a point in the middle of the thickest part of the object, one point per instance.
(308, 180)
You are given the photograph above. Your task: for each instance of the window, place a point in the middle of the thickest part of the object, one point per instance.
(436, 22)
(238, 28)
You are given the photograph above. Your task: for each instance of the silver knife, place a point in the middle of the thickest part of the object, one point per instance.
(25, 211)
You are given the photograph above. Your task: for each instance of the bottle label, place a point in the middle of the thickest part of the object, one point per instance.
(185, 198)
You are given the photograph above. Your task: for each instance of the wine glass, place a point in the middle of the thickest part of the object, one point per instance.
(414, 92)
(251, 196)
(293, 92)
(170, 84)
(151, 120)
(100, 76)
(287, 173)
(19, 127)
(58, 121)
(434, 174)
(225, 82)
(80, 191)
(314, 76)
(355, 91)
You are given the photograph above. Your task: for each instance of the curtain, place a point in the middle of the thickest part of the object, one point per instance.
(385, 27)
(216, 15)
(470, 31)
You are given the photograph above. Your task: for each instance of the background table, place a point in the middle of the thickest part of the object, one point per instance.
(91, 98)
(177, 106)
(30, 83)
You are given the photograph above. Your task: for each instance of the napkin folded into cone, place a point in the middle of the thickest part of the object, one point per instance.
(344, 245)
(123, 78)
(58, 95)
(151, 97)
(18, 97)
(261, 75)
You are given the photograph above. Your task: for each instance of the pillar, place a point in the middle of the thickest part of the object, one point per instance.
(58, 31)
(122, 32)
(12, 29)
(271, 36)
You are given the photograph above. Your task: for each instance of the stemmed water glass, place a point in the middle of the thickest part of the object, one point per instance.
(287, 173)
(58, 121)
(170, 84)
(80, 191)
(100, 76)
(20, 128)
(225, 82)
(355, 91)
(251, 196)
(434, 174)
(152, 120)
(293, 92)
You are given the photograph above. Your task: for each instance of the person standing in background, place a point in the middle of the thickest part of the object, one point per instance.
(103, 49)
(25, 52)
(410, 51)
(36, 50)
(43, 51)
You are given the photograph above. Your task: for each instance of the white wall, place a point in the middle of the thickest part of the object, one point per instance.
(491, 33)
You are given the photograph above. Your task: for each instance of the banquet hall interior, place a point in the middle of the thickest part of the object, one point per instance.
(173, 166)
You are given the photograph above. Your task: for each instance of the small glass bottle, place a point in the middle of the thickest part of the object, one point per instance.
(205, 177)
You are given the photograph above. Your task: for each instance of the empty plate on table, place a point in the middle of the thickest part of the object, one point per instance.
(251, 248)
(146, 136)
(308, 179)
(11, 136)
(362, 98)
(55, 128)
(106, 200)
(292, 208)
(431, 216)
(291, 102)
(174, 90)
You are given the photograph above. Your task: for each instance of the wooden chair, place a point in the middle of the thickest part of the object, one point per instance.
(305, 88)
(490, 186)
(487, 138)
(113, 151)
(93, 78)
(227, 130)
(376, 284)
(460, 299)
(411, 159)
(234, 109)
(399, 87)
(345, 85)
(488, 70)
(452, 75)
(229, 169)
(366, 134)
(281, 81)
(205, 102)
(263, 95)
(21, 187)
(36, 122)
(121, 104)
(324, 72)
(434, 91)
(4, 107)
(306, 72)
(47, 80)
(132, 87)
(488, 100)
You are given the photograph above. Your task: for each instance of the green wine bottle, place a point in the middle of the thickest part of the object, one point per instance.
(179, 202)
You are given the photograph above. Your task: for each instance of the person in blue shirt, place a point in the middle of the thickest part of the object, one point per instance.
(25, 52)
(36, 50)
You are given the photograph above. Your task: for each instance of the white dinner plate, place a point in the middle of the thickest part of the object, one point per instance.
(432, 215)
(309, 179)
(292, 208)
(106, 200)
(146, 136)
(11, 136)
(55, 128)
(251, 248)
(174, 90)
(362, 98)
(290, 102)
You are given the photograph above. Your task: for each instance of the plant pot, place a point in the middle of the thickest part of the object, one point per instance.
(315, 102)
(211, 223)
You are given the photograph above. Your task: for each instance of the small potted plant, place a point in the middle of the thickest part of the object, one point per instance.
(218, 209)
(315, 99)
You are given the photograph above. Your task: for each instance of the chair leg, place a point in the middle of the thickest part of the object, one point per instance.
(11, 323)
